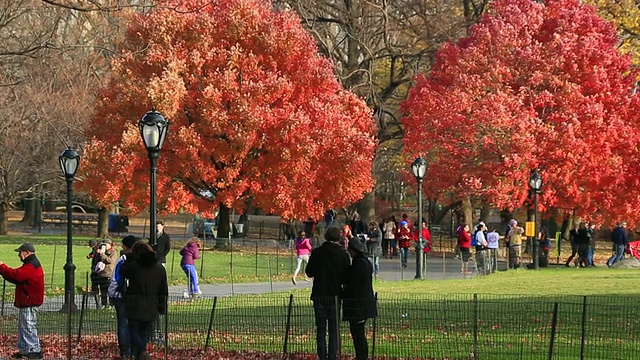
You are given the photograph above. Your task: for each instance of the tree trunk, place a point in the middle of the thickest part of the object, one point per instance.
(4, 218)
(439, 215)
(222, 238)
(103, 223)
(485, 211)
(367, 208)
(467, 212)
(29, 210)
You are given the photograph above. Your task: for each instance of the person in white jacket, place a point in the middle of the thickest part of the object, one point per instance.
(493, 243)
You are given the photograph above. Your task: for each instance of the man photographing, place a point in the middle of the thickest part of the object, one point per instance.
(29, 281)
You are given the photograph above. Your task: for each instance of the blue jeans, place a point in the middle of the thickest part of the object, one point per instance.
(192, 278)
(139, 332)
(375, 260)
(325, 313)
(617, 255)
(393, 247)
(590, 255)
(124, 339)
(404, 254)
(28, 341)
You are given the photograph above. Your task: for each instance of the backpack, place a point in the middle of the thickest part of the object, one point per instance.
(474, 239)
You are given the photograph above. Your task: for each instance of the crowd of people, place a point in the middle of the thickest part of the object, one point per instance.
(485, 243)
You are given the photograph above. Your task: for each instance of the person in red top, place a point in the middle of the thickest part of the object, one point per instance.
(29, 281)
(464, 244)
(426, 243)
(404, 242)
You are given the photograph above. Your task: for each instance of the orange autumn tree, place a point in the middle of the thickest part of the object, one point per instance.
(534, 86)
(255, 114)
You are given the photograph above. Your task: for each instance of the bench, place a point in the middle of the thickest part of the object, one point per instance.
(77, 221)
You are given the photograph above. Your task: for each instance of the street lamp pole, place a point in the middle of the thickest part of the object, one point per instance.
(153, 129)
(419, 168)
(535, 183)
(69, 160)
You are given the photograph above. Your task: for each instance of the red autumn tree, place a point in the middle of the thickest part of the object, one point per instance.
(534, 86)
(255, 113)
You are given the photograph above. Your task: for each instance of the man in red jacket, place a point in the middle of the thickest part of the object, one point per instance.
(29, 281)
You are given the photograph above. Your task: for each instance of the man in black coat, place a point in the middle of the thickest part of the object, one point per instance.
(358, 301)
(145, 297)
(163, 245)
(328, 266)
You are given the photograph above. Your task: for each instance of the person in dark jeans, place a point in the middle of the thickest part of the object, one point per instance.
(582, 240)
(574, 247)
(146, 296)
(328, 266)
(619, 240)
(116, 289)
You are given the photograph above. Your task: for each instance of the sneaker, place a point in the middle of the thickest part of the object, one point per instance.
(17, 355)
(307, 279)
(293, 280)
(33, 355)
(567, 265)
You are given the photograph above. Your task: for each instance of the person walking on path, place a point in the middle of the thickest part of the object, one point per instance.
(404, 242)
(574, 248)
(105, 258)
(164, 244)
(303, 249)
(619, 240)
(146, 296)
(479, 240)
(389, 238)
(515, 245)
(117, 287)
(191, 252)
(464, 244)
(358, 300)
(356, 224)
(582, 239)
(328, 266)
(493, 243)
(374, 238)
(427, 244)
(29, 295)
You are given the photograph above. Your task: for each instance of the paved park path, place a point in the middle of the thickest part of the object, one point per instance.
(438, 268)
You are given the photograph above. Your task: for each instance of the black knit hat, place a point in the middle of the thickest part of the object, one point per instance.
(129, 240)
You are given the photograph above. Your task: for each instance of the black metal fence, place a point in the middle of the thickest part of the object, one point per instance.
(409, 326)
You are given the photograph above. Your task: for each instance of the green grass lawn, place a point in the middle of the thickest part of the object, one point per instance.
(548, 281)
(213, 267)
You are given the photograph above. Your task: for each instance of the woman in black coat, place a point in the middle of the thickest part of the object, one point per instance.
(145, 297)
(358, 301)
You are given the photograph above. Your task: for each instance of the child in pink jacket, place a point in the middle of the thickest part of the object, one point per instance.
(303, 249)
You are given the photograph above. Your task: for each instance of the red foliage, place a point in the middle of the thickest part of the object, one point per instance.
(536, 85)
(103, 347)
(255, 112)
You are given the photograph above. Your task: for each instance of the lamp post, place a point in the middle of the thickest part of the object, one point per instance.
(69, 160)
(419, 168)
(153, 129)
(535, 183)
